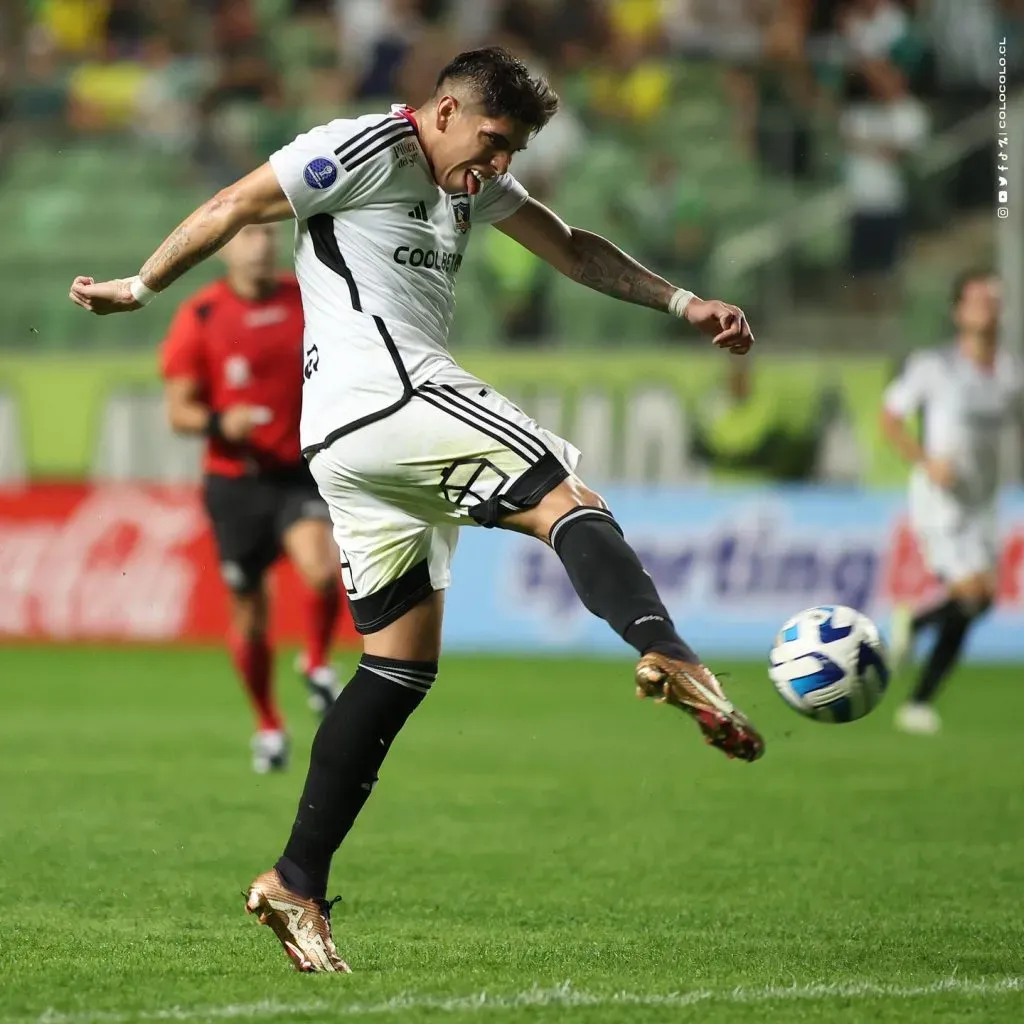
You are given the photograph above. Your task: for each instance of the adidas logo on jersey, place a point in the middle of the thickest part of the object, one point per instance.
(419, 211)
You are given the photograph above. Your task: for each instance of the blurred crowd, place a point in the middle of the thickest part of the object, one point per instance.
(175, 71)
(791, 93)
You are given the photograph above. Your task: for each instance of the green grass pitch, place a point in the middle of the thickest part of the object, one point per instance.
(541, 847)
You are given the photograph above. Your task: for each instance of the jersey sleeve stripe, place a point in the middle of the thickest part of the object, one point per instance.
(365, 155)
(354, 143)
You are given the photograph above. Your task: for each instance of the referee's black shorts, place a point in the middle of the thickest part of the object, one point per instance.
(251, 514)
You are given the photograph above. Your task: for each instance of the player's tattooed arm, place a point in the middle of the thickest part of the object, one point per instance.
(199, 236)
(256, 199)
(586, 257)
(598, 264)
(603, 266)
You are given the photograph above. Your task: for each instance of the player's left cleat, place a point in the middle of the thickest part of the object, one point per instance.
(323, 686)
(694, 689)
(269, 751)
(302, 926)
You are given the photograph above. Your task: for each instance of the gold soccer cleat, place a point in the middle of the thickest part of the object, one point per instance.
(302, 925)
(694, 689)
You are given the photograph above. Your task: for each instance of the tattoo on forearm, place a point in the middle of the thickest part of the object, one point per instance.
(201, 235)
(606, 268)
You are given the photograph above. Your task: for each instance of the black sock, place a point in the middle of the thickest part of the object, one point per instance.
(348, 750)
(932, 616)
(612, 583)
(953, 626)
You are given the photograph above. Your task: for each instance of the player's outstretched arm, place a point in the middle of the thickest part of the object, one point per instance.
(598, 264)
(255, 199)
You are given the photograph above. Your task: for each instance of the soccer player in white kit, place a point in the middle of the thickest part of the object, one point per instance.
(406, 446)
(967, 394)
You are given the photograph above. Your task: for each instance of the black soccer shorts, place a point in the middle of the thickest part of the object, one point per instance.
(250, 516)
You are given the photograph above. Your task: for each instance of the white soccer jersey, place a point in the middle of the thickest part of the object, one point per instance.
(964, 410)
(378, 247)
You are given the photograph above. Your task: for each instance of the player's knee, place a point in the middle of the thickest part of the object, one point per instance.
(588, 498)
(975, 596)
(249, 615)
(974, 604)
(321, 577)
(569, 495)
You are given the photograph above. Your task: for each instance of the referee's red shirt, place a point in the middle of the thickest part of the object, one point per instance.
(242, 351)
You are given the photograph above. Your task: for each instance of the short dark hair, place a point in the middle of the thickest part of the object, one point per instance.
(966, 277)
(503, 85)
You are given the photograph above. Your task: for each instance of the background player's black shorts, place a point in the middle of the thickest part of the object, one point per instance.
(250, 516)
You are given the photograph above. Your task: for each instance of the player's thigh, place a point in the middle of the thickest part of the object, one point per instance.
(398, 489)
(462, 452)
(414, 636)
(304, 528)
(391, 559)
(241, 512)
(978, 550)
(964, 555)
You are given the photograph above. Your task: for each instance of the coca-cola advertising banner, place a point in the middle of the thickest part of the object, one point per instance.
(123, 563)
(130, 563)
(730, 565)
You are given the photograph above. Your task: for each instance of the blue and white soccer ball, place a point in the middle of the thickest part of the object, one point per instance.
(829, 663)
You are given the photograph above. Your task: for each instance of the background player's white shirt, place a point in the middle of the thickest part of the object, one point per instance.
(378, 247)
(964, 411)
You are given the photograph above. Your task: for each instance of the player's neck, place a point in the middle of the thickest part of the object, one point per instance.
(418, 119)
(252, 289)
(980, 349)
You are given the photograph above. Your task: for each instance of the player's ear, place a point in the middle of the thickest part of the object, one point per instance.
(447, 108)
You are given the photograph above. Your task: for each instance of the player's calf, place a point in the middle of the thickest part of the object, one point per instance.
(349, 748)
(953, 623)
(612, 584)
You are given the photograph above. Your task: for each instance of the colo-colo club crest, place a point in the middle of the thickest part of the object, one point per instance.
(460, 208)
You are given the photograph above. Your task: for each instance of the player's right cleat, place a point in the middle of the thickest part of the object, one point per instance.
(269, 751)
(694, 689)
(901, 638)
(303, 926)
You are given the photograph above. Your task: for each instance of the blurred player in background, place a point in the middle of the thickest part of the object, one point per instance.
(232, 363)
(966, 393)
(407, 446)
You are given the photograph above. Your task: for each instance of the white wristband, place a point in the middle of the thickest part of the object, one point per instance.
(679, 301)
(142, 294)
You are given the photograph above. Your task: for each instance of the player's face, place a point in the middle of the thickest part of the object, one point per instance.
(977, 312)
(473, 147)
(252, 253)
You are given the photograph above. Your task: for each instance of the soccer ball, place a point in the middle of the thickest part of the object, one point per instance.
(830, 664)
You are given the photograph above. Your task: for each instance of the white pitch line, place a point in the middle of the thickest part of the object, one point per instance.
(564, 995)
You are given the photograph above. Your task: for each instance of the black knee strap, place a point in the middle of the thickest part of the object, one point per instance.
(413, 675)
(582, 514)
